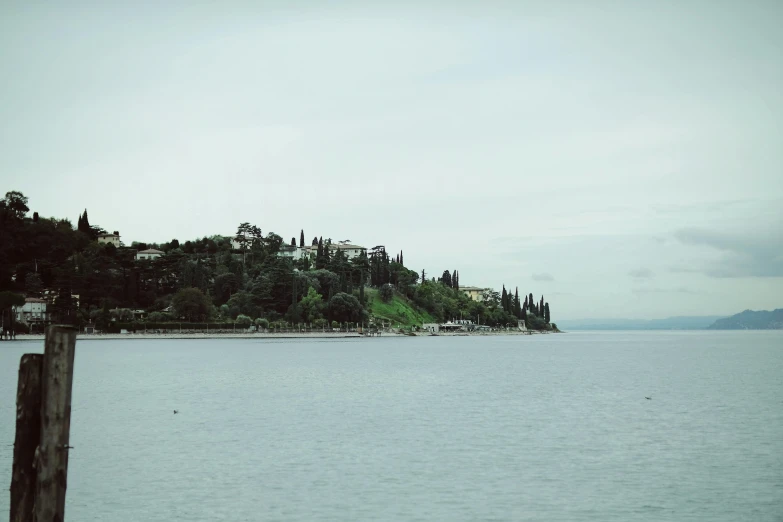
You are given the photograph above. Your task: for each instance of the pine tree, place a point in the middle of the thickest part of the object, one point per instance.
(301, 239)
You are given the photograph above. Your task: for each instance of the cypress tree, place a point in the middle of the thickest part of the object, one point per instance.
(301, 238)
(446, 278)
(541, 306)
(547, 317)
(504, 299)
(80, 224)
(319, 256)
(85, 222)
(454, 279)
(455, 282)
(385, 266)
(293, 241)
(517, 308)
(361, 286)
(401, 258)
(531, 303)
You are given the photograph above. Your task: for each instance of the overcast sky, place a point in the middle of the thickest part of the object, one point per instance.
(624, 161)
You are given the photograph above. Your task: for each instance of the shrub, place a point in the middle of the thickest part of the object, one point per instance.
(320, 323)
(157, 317)
(386, 293)
(244, 321)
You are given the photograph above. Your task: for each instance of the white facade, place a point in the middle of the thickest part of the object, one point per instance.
(474, 292)
(294, 252)
(34, 310)
(350, 251)
(114, 238)
(150, 253)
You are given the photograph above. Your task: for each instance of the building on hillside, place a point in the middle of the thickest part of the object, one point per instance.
(474, 292)
(33, 311)
(294, 252)
(150, 253)
(350, 251)
(114, 238)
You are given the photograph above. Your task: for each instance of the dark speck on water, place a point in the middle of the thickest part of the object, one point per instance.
(518, 428)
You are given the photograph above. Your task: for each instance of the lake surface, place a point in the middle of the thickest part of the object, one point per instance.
(534, 428)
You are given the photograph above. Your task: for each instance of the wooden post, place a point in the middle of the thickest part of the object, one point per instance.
(28, 433)
(52, 462)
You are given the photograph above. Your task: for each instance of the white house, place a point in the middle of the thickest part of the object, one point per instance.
(114, 238)
(474, 292)
(294, 252)
(150, 253)
(33, 311)
(350, 251)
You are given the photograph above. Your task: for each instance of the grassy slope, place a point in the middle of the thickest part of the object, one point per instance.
(399, 310)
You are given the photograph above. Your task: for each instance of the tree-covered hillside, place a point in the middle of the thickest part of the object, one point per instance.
(243, 278)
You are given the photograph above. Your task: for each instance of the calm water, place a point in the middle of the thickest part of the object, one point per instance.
(542, 428)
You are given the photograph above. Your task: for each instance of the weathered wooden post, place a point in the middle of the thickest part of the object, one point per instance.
(52, 458)
(28, 433)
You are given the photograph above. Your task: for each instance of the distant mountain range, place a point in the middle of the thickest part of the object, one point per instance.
(670, 323)
(747, 320)
(751, 320)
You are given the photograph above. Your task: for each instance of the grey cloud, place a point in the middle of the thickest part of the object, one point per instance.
(657, 290)
(742, 255)
(543, 277)
(641, 273)
(700, 207)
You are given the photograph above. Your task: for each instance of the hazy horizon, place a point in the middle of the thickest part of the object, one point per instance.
(623, 161)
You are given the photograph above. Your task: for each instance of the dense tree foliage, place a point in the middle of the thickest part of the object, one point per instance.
(220, 277)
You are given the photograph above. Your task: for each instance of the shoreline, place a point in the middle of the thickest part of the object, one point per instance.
(291, 335)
